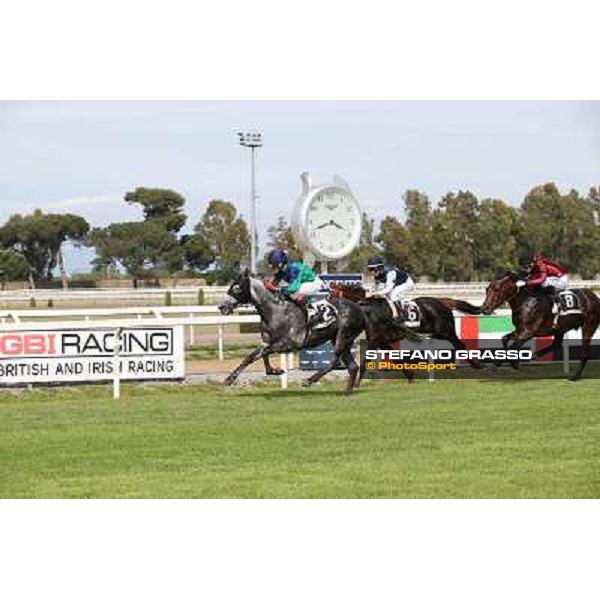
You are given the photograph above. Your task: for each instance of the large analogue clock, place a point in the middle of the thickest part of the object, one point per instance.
(327, 220)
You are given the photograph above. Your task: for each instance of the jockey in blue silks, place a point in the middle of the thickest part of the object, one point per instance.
(392, 283)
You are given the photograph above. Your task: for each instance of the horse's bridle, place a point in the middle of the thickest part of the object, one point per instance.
(507, 299)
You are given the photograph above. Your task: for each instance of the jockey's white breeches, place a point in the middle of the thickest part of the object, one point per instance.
(398, 292)
(558, 283)
(312, 287)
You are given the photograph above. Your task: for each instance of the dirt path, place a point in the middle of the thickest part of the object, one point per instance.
(224, 366)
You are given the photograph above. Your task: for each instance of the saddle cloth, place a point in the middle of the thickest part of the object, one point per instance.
(410, 312)
(323, 312)
(568, 303)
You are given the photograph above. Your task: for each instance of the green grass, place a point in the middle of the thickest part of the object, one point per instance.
(454, 439)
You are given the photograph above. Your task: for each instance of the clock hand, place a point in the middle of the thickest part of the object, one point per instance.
(336, 225)
(324, 225)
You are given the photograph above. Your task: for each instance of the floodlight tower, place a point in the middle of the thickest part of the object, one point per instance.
(252, 140)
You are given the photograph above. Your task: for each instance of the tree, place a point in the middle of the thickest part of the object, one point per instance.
(496, 238)
(227, 235)
(143, 248)
(197, 253)
(13, 267)
(580, 235)
(422, 256)
(455, 234)
(394, 240)
(39, 238)
(281, 236)
(542, 221)
(357, 260)
(563, 227)
(148, 248)
(163, 206)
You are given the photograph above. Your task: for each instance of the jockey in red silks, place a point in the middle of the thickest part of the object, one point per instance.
(543, 273)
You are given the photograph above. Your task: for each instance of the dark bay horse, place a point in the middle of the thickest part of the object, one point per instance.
(532, 316)
(284, 328)
(436, 321)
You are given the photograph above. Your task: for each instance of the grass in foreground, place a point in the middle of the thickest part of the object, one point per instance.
(456, 439)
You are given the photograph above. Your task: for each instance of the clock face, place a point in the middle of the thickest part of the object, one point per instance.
(332, 223)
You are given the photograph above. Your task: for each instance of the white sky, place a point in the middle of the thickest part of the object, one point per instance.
(83, 156)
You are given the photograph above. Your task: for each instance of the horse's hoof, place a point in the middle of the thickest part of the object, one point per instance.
(275, 372)
(348, 392)
(228, 382)
(575, 378)
(306, 383)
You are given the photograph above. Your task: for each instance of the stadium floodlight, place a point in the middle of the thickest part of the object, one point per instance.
(252, 140)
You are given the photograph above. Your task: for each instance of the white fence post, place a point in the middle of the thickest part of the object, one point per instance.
(566, 344)
(191, 341)
(221, 355)
(430, 375)
(284, 375)
(117, 364)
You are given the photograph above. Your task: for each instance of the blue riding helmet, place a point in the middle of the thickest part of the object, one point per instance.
(277, 259)
(375, 262)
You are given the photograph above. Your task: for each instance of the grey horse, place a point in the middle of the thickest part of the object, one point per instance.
(284, 328)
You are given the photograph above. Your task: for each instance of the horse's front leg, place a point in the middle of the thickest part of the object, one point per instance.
(370, 345)
(505, 339)
(269, 370)
(319, 374)
(254, 355)
(520, 340)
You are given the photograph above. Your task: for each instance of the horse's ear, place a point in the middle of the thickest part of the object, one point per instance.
(246, 272)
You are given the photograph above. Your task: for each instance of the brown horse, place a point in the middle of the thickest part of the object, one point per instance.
(532, 316)
(437, 321)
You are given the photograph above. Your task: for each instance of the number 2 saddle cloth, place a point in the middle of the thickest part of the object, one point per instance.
(321, 313)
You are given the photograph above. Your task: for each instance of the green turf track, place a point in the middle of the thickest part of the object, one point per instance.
(454, 439)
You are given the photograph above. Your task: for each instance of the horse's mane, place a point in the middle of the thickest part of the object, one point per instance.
(503, 273)
(354, 293)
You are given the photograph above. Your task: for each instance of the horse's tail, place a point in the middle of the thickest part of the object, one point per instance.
(461, 306)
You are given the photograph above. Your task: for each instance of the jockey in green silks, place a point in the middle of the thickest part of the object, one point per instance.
(300, 278)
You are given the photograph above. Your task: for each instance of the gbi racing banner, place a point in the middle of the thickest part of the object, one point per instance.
(79, 355)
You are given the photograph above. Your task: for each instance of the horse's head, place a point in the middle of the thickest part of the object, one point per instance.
(354, 293)
(237, 294)
(499, 290)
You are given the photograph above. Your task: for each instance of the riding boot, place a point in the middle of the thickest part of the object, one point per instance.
(400, 317)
